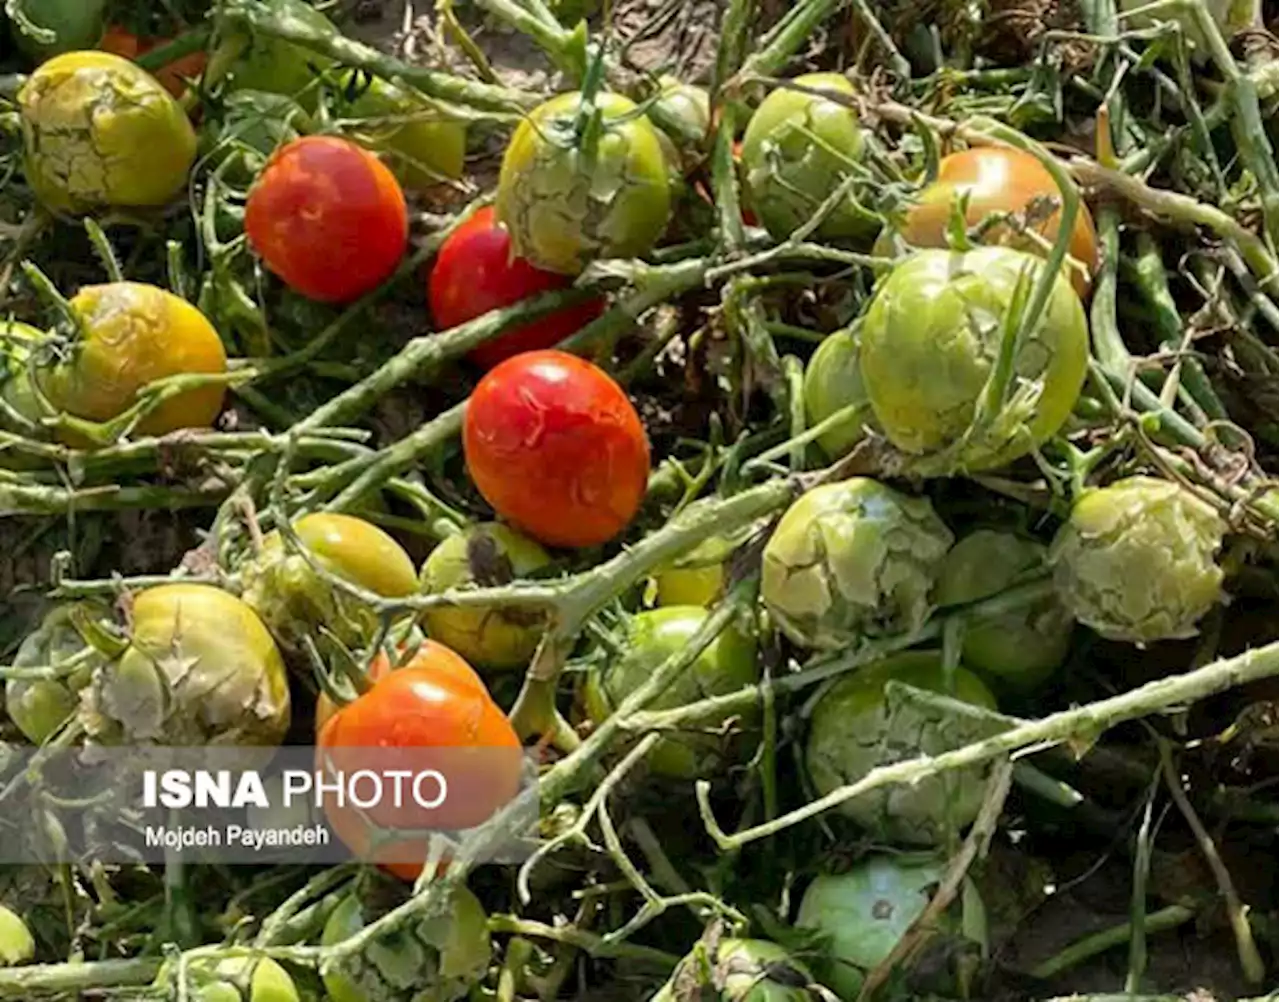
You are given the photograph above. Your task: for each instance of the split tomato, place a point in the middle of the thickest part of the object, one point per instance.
(430, 714)
(998, 179)
(557, 448)
(329, 218)
(476, 271)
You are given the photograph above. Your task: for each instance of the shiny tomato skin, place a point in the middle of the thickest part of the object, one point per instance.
(455, 727)
(329, 218)
(556, 448)
(1000, 179)
(476, 271)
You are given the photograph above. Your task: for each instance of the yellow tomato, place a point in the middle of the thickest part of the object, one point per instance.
(134, 335)
(100, 131)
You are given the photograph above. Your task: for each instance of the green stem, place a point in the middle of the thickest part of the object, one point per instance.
(794, 31)
(26, 982)
(1107, 939)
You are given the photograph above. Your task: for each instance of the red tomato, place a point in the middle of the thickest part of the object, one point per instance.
(434, 656)
(121, 42)
(427, 715)
(328, 217)
(476, 272)
(556, 447)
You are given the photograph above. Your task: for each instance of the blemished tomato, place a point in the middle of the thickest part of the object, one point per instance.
(476, 271)
(136, 334)
(999, 179)
(329, 218)
(429, 656)
(556, 448)
(440, 719)
(122, 42)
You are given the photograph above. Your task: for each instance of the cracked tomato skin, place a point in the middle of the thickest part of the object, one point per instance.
(476, 271)
(99, 131)
(136, 334)
(329, 218)
(433, 707)
(173, 76)
(1000, 179)
(564, 212)
(556, 448)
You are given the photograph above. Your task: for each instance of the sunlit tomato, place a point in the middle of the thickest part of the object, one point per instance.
(999, 179)
(136, 334)
(329, 218)
(174, 75)
(476, 271)
(556, 447)
(430, 656)
(420, 718)
(99, 131)
(421, 145)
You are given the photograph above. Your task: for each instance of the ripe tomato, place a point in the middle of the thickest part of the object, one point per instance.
(999, 179)
(429, 656)
(438, 719)
(136, 334)
(122, 42)
(556, 447)
(328, 217)
(476, 271)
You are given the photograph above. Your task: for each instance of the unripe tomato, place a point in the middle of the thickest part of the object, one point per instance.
(727, 665)
(422, 146)
(796, 151)
(235, 979)
(565, 208)
(484, 556)
(832, 382)
(429, 656)
(99, 131)
(17, 945)
(328, 218)
(136, 334)
(38, 707)
(200, 668)
(433, 959)
(1000, 179)
(454, 726)
(557, 448)
(294, 601)
(262, 62)
(930, 339)
(122, 42)
(476, 271)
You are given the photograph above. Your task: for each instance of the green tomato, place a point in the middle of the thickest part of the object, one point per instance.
(294, 600)
(1020, 648)
(726, 665)
(200, 669)
(99, 131)
(832, 382)
(40, 706)
(852, 731)
(697, 577)
(437, 959)
(264, 62)
(235, 979)
(741, 970)
(76, 24)
(566, 206)
(484, 555)
(796, 151)
(421, 144)
(851, 560)
(681, 113)
(932, 336)
(865, 911)
(17, 945)
(1136, 561)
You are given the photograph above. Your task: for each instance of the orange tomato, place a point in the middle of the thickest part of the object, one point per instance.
(999, 179)
(173, 76)
(432, 714)
(328, 218)
(557, 448)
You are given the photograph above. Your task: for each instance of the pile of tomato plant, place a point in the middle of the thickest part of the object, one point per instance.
(820, 462)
